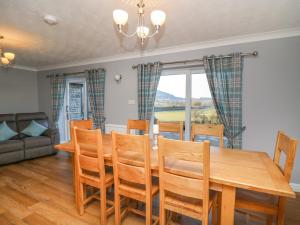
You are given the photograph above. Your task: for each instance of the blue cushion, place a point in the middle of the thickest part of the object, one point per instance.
(34, 129)
(6, 132)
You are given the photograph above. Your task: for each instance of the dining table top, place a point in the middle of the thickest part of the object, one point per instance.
(250, 170)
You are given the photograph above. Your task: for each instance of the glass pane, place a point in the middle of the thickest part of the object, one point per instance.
(203, 110)
(170, 98)
(76, 101)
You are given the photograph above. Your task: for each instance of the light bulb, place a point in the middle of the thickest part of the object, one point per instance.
(9, 55)
(4, 61)
(158, 17)
(120, 16)
(142, 31)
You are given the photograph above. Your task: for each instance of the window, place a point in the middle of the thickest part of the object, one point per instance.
(184, 95)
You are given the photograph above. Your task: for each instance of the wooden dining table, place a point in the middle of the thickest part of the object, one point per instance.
(229, 169)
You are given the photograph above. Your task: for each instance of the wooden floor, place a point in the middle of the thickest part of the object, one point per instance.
(39, 192)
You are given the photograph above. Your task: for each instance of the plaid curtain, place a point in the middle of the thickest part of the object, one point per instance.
(224, 75)
(95, 79)
(148, 78)
(58, 87)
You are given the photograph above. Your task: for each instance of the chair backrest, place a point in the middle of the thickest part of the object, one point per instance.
(83, 124)
(88, 151)
(131, 159)
(141, 125)
(173, 127)
(288, 146)
(215, 130)
(195, 185)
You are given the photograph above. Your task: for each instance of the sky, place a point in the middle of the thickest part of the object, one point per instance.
(176, 85)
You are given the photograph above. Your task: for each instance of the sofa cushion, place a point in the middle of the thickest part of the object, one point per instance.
(11, 146)
(6, 132)
(34, 129)
(33, 142)
(24, 119)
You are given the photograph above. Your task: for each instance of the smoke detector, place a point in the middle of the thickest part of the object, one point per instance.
(50, 19)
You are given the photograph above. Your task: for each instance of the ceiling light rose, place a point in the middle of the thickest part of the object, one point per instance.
(158, 18)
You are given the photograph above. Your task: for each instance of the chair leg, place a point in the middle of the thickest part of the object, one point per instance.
(149, 211)
(80, 198)
(214, 213)
(103, 205)
(117, 208)
(162, 214)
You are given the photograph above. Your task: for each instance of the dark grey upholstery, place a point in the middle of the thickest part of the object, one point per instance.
(11, 146)
(33, 142)
(23, 147)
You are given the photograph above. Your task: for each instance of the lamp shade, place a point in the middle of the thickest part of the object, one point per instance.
(120, 16)
(4, 61)
(142, 31)
(158, 17)
(9, 55)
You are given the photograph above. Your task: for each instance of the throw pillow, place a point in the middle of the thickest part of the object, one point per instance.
(34, 129)
(6, 132)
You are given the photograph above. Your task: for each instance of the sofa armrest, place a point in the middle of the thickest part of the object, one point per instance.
(53, 133)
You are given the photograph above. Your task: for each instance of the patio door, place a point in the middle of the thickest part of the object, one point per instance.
(75, 107)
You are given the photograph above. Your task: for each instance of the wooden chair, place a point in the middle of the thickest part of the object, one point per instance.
(271, 206)
(182, 192)
(85, 124)
(208, 130)
(141, 125)
(91, 170)
(132, 174)
(173, 127)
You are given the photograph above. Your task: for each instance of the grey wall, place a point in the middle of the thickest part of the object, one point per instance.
(18, 91)
(271, 90)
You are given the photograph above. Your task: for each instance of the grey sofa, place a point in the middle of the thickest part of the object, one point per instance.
(22, 147)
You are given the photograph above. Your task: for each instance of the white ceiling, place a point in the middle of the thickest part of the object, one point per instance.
(86, 29)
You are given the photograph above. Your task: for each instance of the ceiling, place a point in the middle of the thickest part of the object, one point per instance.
(86, 29)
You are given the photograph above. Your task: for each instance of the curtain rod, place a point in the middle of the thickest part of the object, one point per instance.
(73, 73)
(255, 53)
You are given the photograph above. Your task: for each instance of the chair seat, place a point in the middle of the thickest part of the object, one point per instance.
(95, 181)
(136, 191)
(186, 205)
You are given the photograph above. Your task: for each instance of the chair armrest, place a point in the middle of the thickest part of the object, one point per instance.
(53, 133)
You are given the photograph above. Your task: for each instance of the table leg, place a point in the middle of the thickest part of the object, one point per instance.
(227, 205)
(75, 186)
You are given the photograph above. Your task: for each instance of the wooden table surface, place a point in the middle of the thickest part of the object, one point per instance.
(230, 169)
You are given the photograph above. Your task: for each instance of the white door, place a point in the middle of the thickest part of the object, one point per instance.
(75, 107)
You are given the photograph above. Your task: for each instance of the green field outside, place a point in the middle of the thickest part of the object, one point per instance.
(179, 115)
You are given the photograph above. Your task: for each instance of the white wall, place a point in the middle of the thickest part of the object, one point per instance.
(271, 90)
(18, 91)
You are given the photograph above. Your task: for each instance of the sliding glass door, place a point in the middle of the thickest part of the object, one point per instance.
(184, 95)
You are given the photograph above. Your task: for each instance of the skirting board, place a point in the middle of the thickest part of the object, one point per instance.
(295, 187)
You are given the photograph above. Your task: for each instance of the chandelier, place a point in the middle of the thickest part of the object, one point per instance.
(7, 58)
(158, 18)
